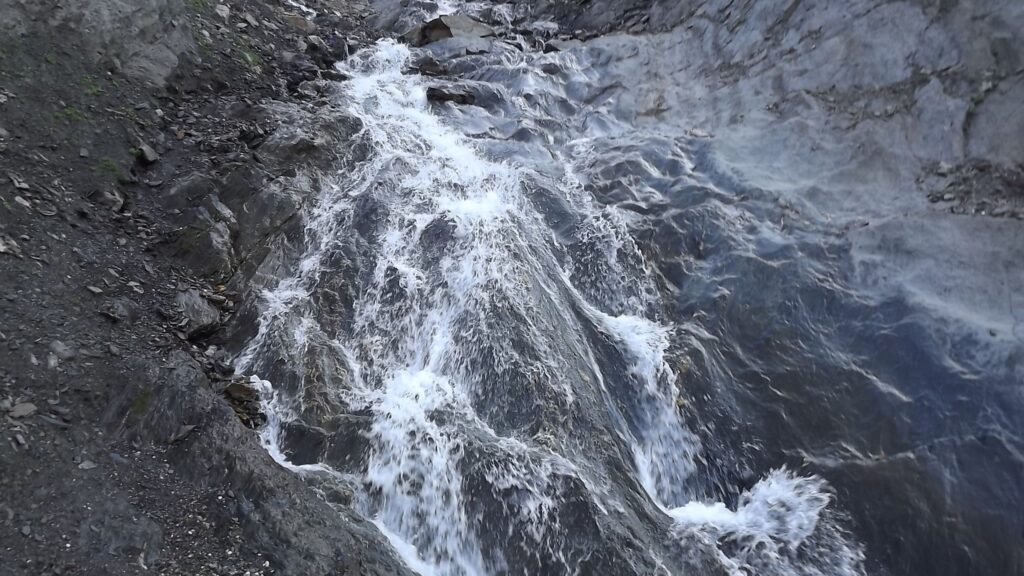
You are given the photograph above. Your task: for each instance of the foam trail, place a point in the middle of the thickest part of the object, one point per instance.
(500, 376)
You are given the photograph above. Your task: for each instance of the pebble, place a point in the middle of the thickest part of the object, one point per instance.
(18, 183)
(22, 410)
(94, 290)
(87, 465)
(62, 351)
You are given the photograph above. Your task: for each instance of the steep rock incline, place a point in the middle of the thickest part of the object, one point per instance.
(126, 129)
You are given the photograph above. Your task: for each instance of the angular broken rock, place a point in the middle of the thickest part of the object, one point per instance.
(300, 22)
(450, 26)
(245, 401)
(62, 351)
(111, 197)
(23, 410)
(9, 246)
(146, 154)
(202, 317)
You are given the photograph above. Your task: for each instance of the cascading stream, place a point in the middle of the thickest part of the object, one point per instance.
(511, 379)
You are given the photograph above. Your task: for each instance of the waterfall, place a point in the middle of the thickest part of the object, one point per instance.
(506, 363)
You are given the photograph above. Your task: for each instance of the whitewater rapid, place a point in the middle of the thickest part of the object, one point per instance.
(514, 379)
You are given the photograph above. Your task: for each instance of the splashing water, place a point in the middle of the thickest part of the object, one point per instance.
(512, 394)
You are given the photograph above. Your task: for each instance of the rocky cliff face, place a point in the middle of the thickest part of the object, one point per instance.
(899, 123)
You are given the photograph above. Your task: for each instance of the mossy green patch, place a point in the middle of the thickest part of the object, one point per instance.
(70, 114)
(141, 403)
(108, 167)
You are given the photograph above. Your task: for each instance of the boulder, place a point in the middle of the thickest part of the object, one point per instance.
(450, 26)
(302, 443)
(207, 249)
(245, 401)
(201, 316)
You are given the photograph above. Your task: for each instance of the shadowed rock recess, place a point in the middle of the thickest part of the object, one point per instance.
(619, 287)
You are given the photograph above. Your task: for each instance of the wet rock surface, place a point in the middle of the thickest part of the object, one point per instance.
(880, 110)
(827, 170)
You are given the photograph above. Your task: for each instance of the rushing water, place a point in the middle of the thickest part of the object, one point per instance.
(506, 390)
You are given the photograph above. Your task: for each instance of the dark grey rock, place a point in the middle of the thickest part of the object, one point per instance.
(207, 248)
(202, 317)
(435, 94)
(146, 154)
(63, 352)
(142, 39)
(450, 26)
(22, 410)
(302, 443)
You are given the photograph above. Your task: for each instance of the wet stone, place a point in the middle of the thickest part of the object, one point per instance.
(450, 26)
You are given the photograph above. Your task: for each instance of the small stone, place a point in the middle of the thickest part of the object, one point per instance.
(223, 11)
(317, 43)
(18, 182)
(46, 209)
(251, 20)
(62, 352)
(111, 197)
(94, 290)
(26, 530)
(9, 246)
(22, 410)
(83, 153)
(87, 465)
(182, 433)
